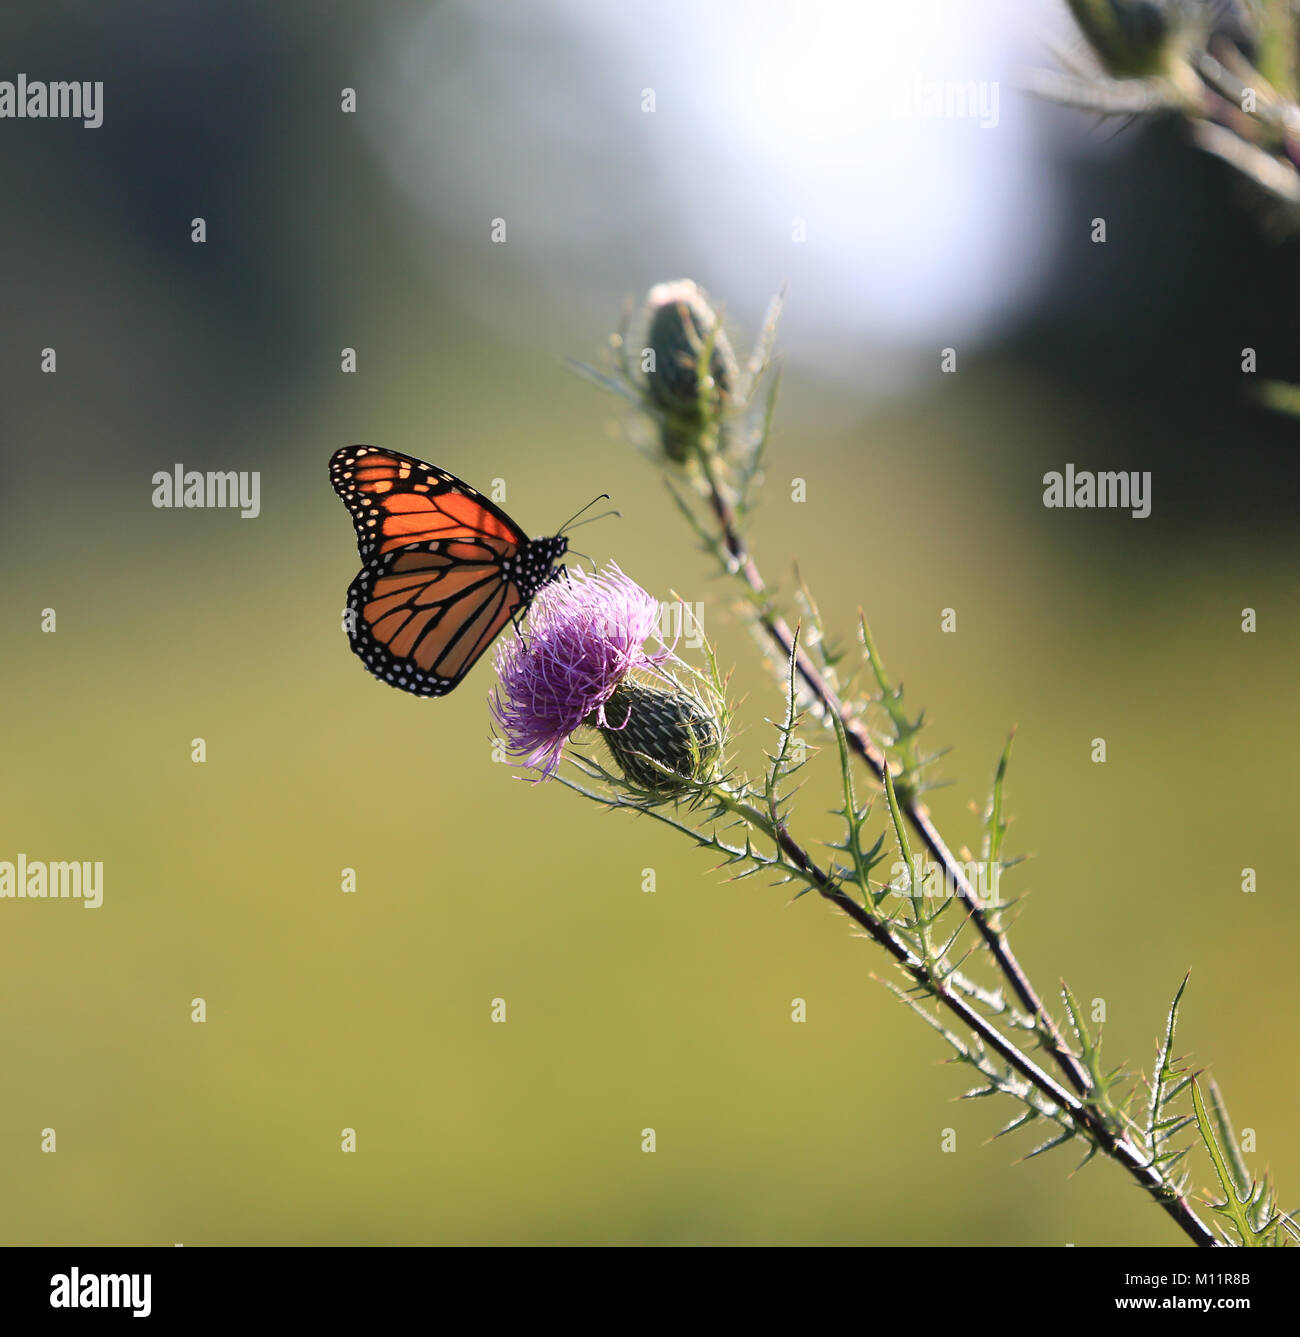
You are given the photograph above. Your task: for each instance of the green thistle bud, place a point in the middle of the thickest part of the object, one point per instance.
(668, 726)
(1136, 39)
(681, 324)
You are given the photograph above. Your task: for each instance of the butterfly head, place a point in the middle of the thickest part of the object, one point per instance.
(538, 563)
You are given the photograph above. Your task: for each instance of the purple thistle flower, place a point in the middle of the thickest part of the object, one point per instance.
(585, 634)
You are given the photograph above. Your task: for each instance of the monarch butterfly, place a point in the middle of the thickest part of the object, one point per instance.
(443, 569)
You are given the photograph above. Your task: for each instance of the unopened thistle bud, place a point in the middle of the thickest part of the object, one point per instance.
(663, 739)
(1139, 39)
(682, 323)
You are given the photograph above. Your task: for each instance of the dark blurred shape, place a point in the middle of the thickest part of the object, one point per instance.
(1145, 332)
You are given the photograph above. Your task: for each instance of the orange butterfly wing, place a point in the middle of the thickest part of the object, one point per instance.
(396, 500)
(445, 569)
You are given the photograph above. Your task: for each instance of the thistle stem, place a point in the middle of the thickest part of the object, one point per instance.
(916, 812)
(1114, 1144)
(800, 863)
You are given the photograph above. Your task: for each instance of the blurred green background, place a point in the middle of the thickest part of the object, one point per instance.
(627, 1010)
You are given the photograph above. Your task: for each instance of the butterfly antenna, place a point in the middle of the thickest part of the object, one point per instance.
(591, 519)
(604, 496)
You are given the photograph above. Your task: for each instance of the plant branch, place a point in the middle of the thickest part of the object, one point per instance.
(1115, 1144)
(859, 741)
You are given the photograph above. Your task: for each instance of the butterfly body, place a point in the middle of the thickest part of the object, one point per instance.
(443, 569)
